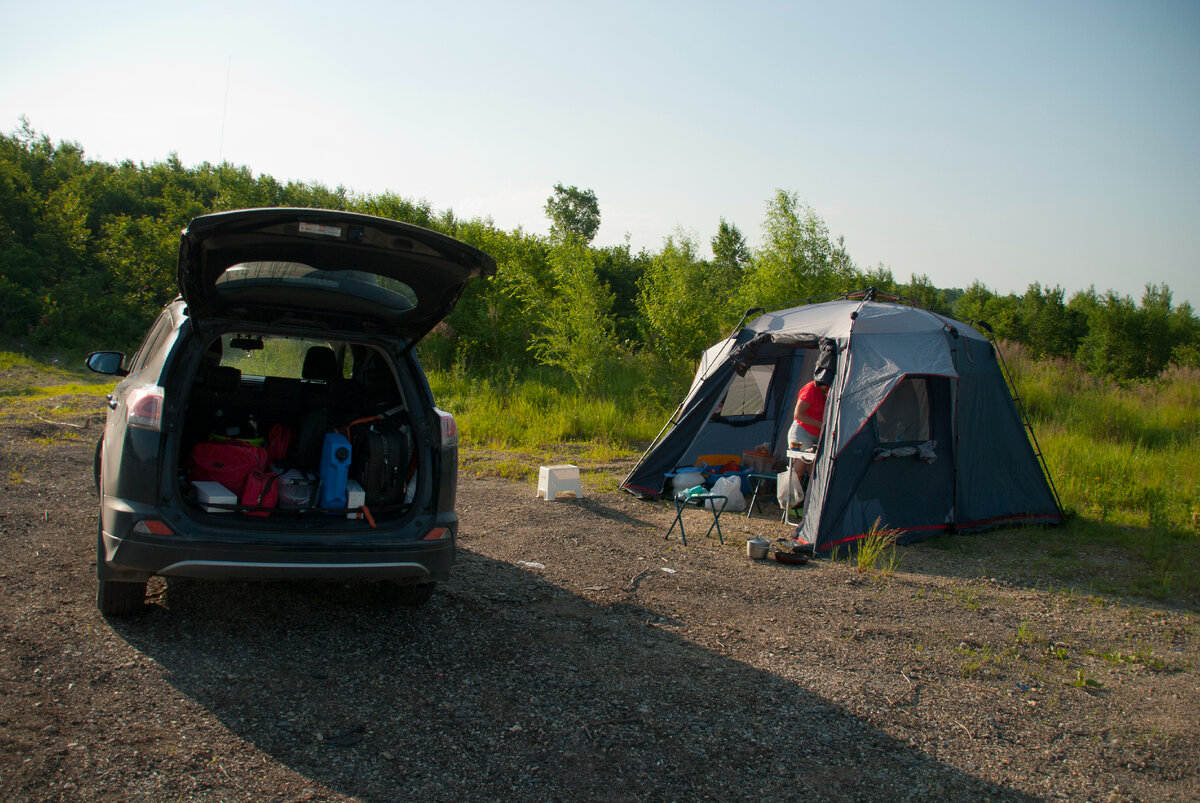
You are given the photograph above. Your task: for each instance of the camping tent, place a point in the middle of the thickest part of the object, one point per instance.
(920, 430)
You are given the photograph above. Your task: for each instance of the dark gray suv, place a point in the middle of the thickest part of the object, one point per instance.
(275, 422)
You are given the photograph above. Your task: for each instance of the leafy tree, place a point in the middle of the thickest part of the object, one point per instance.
(495, 321)
(139, 254)
(573, 213)
(684, 302)
(880, 278)
(1185, 336)
(978, 304)
(1045, 325)
(730, 252)
(921, 291)
(797, 259)
(392, 206)
(621, 270)
(576, 325)
(1111, 346)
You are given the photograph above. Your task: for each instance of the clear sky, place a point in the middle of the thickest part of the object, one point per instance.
(1009, 142)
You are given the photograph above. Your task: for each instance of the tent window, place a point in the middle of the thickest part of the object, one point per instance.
(904, 414)
(747, 395)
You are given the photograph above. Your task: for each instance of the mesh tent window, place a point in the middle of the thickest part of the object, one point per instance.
(904, 415)
(747, 395)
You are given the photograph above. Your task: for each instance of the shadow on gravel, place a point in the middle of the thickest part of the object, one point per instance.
(607, 512)
(506, 686)
(1154, 568)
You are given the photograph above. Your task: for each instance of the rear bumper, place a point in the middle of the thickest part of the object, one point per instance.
(196, 549)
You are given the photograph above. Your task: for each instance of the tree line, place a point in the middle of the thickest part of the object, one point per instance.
(88, 256)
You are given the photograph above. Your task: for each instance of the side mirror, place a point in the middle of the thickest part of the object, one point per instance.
(107, 362)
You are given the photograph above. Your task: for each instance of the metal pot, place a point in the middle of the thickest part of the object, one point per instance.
(756, 548)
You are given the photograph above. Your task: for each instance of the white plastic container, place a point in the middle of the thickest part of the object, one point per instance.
(214, 493)
(686, 478)
(356, 497)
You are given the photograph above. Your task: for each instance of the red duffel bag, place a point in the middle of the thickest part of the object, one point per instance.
(262, 490)
(226, 462)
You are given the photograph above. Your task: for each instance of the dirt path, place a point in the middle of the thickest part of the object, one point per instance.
(577, 655)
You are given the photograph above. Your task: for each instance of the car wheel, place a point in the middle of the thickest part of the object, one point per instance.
(414, 595)
(117, 598)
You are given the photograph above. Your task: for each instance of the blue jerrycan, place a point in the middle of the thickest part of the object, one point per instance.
(335, 468)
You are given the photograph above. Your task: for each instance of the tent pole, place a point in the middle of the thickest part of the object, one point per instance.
(745, 315)
(672, 420)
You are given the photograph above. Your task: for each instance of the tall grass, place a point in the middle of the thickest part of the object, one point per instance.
(1125, 454)
(1126, 461)
(538, 408)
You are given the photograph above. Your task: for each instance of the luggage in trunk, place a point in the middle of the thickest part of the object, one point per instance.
(382, 452)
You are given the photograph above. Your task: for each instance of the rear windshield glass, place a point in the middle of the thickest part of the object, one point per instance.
(288, 358)
(251, 276)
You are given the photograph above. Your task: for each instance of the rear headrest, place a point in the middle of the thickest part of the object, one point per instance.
(224, 377)
(320, 363)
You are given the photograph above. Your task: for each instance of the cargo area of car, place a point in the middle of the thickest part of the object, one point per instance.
(295, 430)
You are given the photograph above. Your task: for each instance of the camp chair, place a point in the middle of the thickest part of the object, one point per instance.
(682, 500)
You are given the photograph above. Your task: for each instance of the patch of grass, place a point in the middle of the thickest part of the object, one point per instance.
(1057, 652)
(1024, 633)
(978, 662)
(536, 409)
(1084, 681)
(514, 469)
(967, 599)
(20, 373)
(1126, 460)
(877, 549)
(1144, 656)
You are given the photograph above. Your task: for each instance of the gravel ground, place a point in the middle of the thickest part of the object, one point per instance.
(577, 655)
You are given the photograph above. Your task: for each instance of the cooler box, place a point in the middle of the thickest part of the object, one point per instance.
(761, 463)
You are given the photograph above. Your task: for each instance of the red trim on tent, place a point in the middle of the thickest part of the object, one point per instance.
(864, 535)
(980, 523)
(633, 487)
(901, 530)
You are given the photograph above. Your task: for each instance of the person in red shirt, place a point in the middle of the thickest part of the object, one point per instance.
(810, 413)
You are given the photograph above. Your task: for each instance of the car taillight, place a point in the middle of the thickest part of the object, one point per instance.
(449, 428)
(145, 408)
(152, 527)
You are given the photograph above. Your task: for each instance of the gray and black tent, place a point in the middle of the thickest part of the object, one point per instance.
(921, 432)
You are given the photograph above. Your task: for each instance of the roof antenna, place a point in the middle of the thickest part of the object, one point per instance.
(224, 114)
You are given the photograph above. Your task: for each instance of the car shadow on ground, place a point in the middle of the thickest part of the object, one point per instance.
(506, 686)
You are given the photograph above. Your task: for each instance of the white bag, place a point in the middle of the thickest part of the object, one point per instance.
(788, 491)
(731, 488)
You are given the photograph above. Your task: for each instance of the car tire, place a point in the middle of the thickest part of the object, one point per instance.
(414, 595)
(118, 598)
